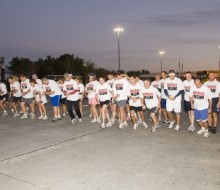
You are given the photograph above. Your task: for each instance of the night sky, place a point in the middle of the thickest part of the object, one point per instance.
(188, 29)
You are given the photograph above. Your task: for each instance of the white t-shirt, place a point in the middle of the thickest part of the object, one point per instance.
(39, 82)
(111, 82)
(150, 96)
(120, 87)
(134, 91)
(71, 86)
(214, 88)
(61, 88)
(187, 85)
(81, 89)
(163, 95)
(200, 97)
(156, 84)
(140, 82)
(25, 86)
(35, 90)
(3, 89)
(173, 87)
(103, 92)
(16, 86)
(52, 86)
(92, 86)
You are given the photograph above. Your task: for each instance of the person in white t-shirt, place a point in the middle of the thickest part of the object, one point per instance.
(81, 90)
(40, 100)
(187, 84)
(133, 93)
(113, 105)
(104, 95)
(39, 82)
(214, 87)
(173, 88)
(201, 102)
(120, 89)
(139, 81)
(156, 84)
(163, 97)
(91, 90)
(51, 88)
(151, 97)
(15, 92)
(27, 97)
(70, 89)
(63, 97)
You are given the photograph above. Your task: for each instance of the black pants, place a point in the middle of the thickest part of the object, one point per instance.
(70, 105)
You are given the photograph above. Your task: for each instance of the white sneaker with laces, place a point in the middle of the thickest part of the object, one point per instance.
(32, 116)
(4, 114)
(90, 116)
(139, 121)
(45, 118)
(24, 116)
(21, 111)
(125, 124)
(192, 129)
(135, 126)
(201, 131)
(99, 121)
(206, 133)
(64, 115)
(80, 120)
(73, 120)
(16, 115)
(94, 121)
(189, 128)
(109, 124)
(177, 128)
(121, 126)
(171, 125)
(154, 129)
(145, 125)
(103, 125)
(41, 117)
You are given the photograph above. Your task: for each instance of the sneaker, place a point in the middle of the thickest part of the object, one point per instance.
(94, 121)
(145, 125)
(59, 118)
(158, 126)
(16, 115)
(189, 128)
(103, 125)
(73, 120)
(125, 124)
(139, 121)
(109, 124)
(4, 114)
(32, 116)
(213, 130)
(41, 117)
(206, 133)
(210, 128)
(166, 122)
(21, 111)
(45, 118)
(99, 121)
(12, 112)
(90, 116)
(150, 119)
(55, 119)
(121, 126)
(80, 120)
(27, 109)
(64, 115)
(201, 131)
(135, 126)
(112, 121)
(192, 128)
(171, 125)
(128, 118)
(154, 129)
(177, 128)
(159, 118)
(24, 116)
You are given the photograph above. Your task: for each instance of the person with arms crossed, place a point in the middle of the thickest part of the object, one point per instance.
(201, 102)
(173, 88)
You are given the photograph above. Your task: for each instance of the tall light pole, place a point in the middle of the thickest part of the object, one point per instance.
(161, 55)
(118, 30)
(219, 57)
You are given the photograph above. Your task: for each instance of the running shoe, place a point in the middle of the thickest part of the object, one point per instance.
(125, 123)
(139, 121)
(171, 125)
(55, 119)
(73, 120)
(16, 115)
(154, 129)
(4, 114)
(45, 118)
(32, 116)
(103, 125)
(94, 121)
(177, 128)
(166, 122)
(145, 125)
(201, 131)
(24, 116)
(121, 126)
(213, 130)
(206, 133)
(80, 120)
(90, 116)
(41, 117)
(109, 124)
(135, 126)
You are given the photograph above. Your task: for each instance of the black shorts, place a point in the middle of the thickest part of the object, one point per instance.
(152, 110)
(187, 106)
(4, 97)
(107, 102)
(214, 104)
(127, 102)
(16, 99)
(136, 108)
(63, 101)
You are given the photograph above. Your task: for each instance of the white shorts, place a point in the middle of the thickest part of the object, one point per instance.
(173, 106)
(43, 99)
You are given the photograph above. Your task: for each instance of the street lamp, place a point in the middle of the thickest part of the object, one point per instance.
(118, 30)
(219, 58)
(161, 54)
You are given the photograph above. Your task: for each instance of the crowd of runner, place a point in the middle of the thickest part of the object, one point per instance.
(121, 96)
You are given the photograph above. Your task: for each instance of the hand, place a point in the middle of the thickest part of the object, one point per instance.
(192, 106)
(209, 110)
(23, 93)
(143, 107)
(134, 99)
(171, 98)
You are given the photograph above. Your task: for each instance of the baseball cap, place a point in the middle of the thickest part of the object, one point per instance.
(92, 74)
(67, 75)
(119, 72)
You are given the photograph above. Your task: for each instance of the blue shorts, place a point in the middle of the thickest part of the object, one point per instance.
(214, 104)
(187, 106)
(201, 115)
(163, 103)
(55, 100)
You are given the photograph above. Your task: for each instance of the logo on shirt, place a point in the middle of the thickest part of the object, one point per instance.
(48, 89)
(102, 91)
(171, 86)
(198, 95)
(61, 88)
(187, 88)
(69, 87)
(148, 95)
(155, 85)
(162, 85)
(134, 92)
(90, 87)
(24, 85)
(119, 86)
(35, 92)
(111, 84)
(212, 88)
